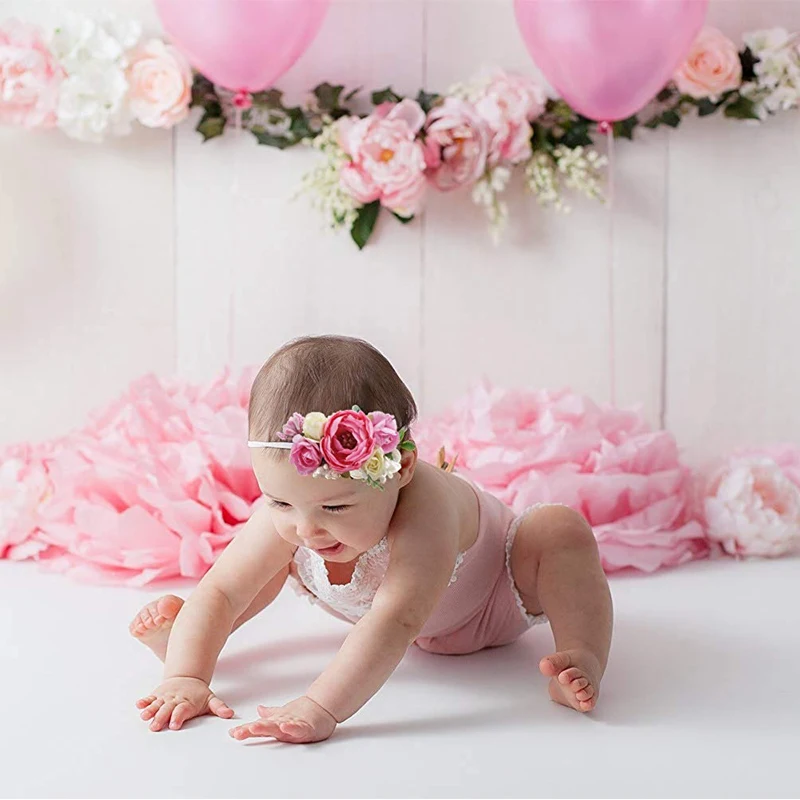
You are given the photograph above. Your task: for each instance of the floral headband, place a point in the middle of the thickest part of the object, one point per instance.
(351, 444)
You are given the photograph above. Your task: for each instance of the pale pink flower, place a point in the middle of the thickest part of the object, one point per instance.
(160, 81)
(292, 428)
(305, 455)
(384, 427)
(456, 144)
(752, 507)
(30, 77)
(712, 66)
(508, 103)
(387, 161)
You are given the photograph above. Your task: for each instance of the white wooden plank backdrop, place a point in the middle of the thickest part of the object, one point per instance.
(120, 259)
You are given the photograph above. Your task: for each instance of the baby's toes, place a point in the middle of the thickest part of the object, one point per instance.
(585, 694)
(569, 675)
(578, 684)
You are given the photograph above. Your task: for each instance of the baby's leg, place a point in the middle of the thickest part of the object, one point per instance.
(151, 626)
(556, 566)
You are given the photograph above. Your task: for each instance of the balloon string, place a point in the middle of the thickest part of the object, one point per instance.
(612, 354)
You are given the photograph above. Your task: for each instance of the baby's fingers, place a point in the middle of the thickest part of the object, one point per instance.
(150, 711)
(183, 711)
(145, 701)
(218, 708)
(261, 728)
(162, 716)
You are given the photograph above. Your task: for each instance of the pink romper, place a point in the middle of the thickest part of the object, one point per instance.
(480, 608)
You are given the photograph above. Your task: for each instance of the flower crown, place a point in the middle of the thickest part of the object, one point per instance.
(347, 444)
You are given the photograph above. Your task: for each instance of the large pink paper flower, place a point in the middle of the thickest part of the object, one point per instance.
(30, 77)
(508, 103)
(306, 455)
(456, 145)
(387, 162)
(751, 502)
(348, 440)
(712, 66)
(160, 80)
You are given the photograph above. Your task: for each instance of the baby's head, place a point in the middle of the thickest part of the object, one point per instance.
(327, 374)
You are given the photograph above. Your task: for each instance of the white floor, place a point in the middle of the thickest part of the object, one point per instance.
(701, 699)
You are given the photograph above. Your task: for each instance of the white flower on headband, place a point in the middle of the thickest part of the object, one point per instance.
(345, 444)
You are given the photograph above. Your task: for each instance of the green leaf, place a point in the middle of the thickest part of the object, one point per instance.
(281, 142)
(706, 107)
(386, 95)
(272, 98)
(365, 223)
(624, 128)
(653, 123)
(577, 134)
(211, 126)
(665, 94)
(748, 61)
(350, 95)
(428, 101)
(404, 220)
(671, 117)
(203, 91)
(409, 445)
(299, 127)
(328, 96)
(741, 108)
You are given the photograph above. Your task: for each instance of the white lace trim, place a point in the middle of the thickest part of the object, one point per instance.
(531, 619)
(352, 599)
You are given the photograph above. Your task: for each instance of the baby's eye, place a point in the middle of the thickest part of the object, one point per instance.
(279, 504)
(335, 509)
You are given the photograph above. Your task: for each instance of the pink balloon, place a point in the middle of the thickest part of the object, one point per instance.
(242, 44)
(609, 58)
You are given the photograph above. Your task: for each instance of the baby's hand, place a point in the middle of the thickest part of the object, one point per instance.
(300, 722)
(178, 700)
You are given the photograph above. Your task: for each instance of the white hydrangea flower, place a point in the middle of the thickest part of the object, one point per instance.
(82, 41)
(93, 103)
(777, 82)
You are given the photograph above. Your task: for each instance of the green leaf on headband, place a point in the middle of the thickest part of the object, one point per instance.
(407, 445)
(741, 108)
(386, 95)
(402, 432)
(211, 126)
(365, 223)
(356, 408)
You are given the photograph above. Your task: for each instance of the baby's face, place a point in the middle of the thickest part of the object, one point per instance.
(340, 519)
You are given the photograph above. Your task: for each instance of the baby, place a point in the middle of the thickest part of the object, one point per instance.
(409, 552)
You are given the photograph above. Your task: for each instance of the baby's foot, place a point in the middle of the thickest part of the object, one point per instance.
(575, 678)
(151, 626)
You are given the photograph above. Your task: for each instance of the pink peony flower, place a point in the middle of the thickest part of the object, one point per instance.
(387, 160)
(385, 430)
(306, 455)
(752, 506)
(30, 77)
(160, 81)
(292, 428)
(712, 66)
(456, 145)
(348, 440)
(508, 103)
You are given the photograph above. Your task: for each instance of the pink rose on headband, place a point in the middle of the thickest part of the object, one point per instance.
(387, 162)
(30, 77)
(712, 66)
(347, 440)
(292, 428)
(384, 427)
(306, 455)
(456, 145)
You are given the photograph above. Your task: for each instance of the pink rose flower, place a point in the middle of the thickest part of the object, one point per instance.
(384, 427)
(292, 428)
(712, 66)
(160, 81)
(305, 455)
(752, 506)
(30, 77)
(387, 160)
(456, 145)
(347, 440)
(508, 103)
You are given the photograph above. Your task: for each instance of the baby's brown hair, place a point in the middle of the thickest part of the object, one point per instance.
(327, 374)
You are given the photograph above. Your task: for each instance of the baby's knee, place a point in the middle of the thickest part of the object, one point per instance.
(563, 527)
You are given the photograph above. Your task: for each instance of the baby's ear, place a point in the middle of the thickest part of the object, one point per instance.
(408, 463)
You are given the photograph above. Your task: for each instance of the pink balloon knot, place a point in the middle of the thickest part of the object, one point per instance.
(243, 100)
(604, 127)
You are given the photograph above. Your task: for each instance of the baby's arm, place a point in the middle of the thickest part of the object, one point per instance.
(204, 623)
(420, 568)
(253, 558)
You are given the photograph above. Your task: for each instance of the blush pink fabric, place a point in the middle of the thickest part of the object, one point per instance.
(158, 483)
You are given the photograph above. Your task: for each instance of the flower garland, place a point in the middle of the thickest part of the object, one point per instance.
(94, 77)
